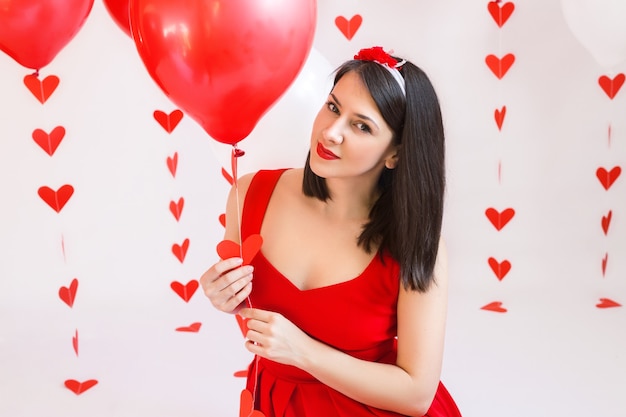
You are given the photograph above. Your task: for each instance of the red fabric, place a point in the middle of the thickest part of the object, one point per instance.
(357, 317)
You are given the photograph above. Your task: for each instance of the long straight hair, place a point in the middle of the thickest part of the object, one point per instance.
(406, 219)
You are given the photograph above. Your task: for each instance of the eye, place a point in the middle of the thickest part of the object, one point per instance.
(363, 127)
(332, 107)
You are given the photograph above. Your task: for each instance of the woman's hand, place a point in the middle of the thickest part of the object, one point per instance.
(272, 336)
(227, 284)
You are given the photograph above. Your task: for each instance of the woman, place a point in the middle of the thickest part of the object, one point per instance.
(347, 315)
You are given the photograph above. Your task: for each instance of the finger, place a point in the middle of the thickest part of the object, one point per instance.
(227, 265)
(235, 291)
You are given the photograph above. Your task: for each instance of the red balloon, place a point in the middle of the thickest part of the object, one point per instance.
(119, 11)
(33, 32)
(224, 63)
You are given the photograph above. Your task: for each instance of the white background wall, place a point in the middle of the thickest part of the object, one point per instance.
(552, 353)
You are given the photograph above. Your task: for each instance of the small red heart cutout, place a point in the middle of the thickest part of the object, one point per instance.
(168, 121)
(177, 208)
(500, 12)
(222, 219)
(180, 251)
(495, 306)
(498, 66)
(607, 303)
(185, 291)
(349, 27)
(49, 142)
(251, 246)
(79, 387)
(606, 222)
(605, 261)
(192, 328)
(42, 90)
(499, 116)
(243, 324)
(499, 219)
(172, 163)
(75, 342)
(56, 199)
(241, 374)
(499, 268)
(607, 178)
(68, 294)
(611, 86)
(246, 405)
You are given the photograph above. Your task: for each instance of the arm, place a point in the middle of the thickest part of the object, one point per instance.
(408, 387)
(227, 283)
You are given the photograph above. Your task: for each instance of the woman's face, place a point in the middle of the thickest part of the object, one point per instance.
(350, 138)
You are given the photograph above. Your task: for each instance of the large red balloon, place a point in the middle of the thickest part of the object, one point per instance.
(33, 32)
(224, 63)
(119, 11)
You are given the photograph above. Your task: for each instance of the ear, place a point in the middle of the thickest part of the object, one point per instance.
(392, 159)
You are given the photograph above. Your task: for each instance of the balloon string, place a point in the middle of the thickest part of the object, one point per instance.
(236, 153)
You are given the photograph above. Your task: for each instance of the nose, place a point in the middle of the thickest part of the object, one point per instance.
(333, 134)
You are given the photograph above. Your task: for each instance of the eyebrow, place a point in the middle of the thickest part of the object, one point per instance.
(362, 116)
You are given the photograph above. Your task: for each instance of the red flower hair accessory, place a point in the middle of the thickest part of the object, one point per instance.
(378, 55)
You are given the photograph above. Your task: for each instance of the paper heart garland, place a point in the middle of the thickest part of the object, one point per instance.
(246, 405)
(168, 121)
(49, 142)
(42, 90)
(607, 178)
(611, 86)
(56, 199)
(68, 294)
(500, 66)
(495, 306)
(500, 11)
(185, 291)
(177, 208)
(606, 222)
(499, 116)
(349, 27)
(192, 328)
(172, 163)
(499, 268)
(180, 251)
(79, 387)
(251, 246)
(499, 219)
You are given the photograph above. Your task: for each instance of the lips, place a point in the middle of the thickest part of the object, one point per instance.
(325, 153)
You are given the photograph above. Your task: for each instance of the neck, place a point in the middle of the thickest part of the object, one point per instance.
(349, 200)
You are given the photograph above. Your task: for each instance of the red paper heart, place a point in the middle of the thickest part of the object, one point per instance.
(612, 86)
(495, 306)
(498, 66)
(241, 374)
(605, 260)
(500, 12)
(251, 246)
(192, 328)
(243, 324)
(246, 405)
(499, 268)
(607, 303)
(177, 208)
(222, 219)
(75, 342)
(56, 199)
(49, 142)
(499, 219)
(180, 251)
(349, 27)
(172, 164)
(606, 222)
(68, 294)
(79, 387)
(168, 121)
(185, 291)
(607, 178)
(499, 116)
(42, 90)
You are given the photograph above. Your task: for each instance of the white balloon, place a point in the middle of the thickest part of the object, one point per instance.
(281, 138)
(600, 26)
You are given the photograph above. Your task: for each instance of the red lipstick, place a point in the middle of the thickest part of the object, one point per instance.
(325, 153)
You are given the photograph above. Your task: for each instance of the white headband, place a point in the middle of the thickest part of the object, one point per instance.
(396, 74)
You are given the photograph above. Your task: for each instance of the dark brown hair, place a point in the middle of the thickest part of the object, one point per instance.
(406, 219)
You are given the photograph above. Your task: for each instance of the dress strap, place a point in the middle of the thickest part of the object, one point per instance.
(257, 198)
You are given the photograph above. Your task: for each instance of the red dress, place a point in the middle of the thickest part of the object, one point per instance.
(357, 317)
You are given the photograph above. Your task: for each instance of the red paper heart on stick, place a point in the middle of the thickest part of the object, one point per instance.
(251, 246)
(224, 63)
